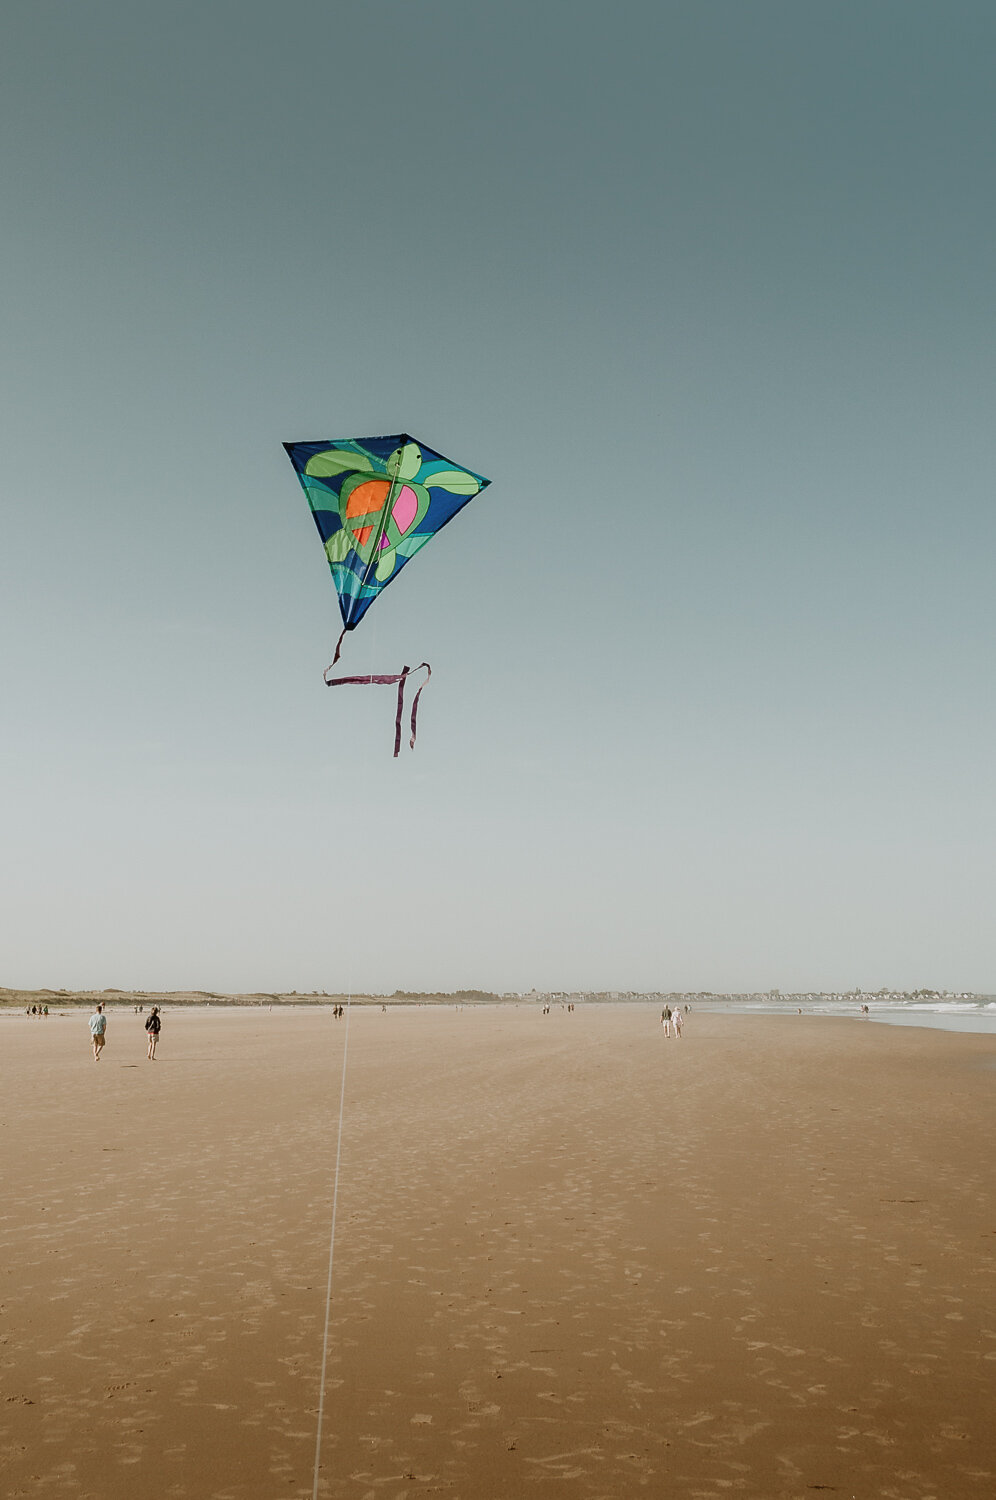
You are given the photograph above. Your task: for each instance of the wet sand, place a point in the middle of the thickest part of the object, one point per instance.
(572, 1259)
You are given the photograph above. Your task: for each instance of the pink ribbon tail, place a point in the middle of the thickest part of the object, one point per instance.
(387, 679)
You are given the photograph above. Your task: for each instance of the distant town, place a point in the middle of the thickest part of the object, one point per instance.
(16, 998)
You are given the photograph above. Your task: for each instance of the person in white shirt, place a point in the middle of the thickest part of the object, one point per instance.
(98, 1031)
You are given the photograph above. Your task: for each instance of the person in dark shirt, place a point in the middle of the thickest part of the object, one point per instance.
(153, 1026)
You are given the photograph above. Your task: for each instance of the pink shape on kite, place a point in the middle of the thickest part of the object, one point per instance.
(405, 508)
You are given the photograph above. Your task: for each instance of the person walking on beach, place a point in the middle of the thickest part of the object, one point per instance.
(98, 1029)
(677, 1019)
(153, 1026)
(666, 1020)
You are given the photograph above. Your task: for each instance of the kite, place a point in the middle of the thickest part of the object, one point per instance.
(376, 502)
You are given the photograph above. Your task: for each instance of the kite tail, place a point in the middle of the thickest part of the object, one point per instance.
(386, 679)
(418, 694)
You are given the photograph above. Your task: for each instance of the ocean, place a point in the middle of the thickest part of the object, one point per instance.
(977, 1014)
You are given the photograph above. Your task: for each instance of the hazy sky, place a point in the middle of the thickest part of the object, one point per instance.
(705, 288)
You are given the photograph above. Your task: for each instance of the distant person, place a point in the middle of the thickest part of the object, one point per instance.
(153, 1026)
(98, 1030)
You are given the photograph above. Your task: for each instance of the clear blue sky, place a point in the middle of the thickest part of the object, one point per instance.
(706, 289)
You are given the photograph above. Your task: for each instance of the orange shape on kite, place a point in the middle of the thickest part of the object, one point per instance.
(368, 499)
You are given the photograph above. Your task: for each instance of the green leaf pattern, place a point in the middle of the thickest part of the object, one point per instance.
(455, 480)
(340, 461)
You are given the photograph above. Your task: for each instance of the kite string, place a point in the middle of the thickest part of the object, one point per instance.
(328, 1287)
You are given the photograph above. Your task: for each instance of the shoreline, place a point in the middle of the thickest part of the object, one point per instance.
(956, 1016)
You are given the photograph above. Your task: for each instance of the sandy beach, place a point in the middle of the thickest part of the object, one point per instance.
(572, 1258)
